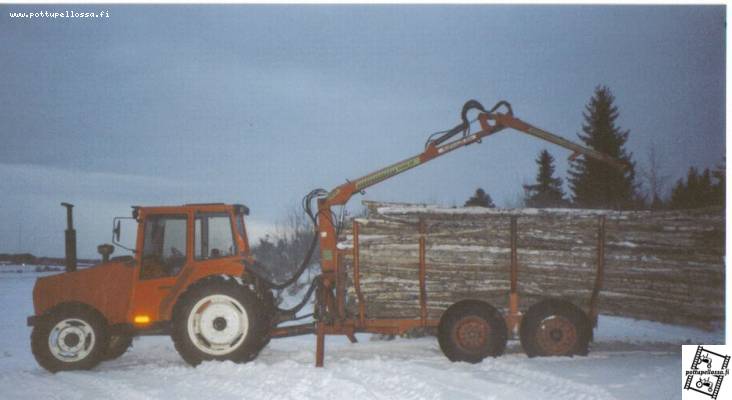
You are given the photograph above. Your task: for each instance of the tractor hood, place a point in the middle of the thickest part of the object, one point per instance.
(105, 287)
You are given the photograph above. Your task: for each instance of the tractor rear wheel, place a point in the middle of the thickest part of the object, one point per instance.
(471, 331)
(218, 319)
(555, 328)
(70, 337)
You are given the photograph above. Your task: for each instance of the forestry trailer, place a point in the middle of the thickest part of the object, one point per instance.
(192, 275)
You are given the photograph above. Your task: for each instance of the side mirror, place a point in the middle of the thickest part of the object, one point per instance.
(116, 231)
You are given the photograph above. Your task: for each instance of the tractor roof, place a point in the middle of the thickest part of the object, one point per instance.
(185, 208)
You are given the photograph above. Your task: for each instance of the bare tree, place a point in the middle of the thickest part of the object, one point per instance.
(654, 180)
(515, 199)
(284, 251)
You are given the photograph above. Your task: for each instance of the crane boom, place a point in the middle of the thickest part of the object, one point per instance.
(491, 122)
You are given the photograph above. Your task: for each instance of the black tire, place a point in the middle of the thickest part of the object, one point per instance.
(555, 328)
(472, 330)
(118, 345)
(237, 301)
(269, 308)
(75, 326)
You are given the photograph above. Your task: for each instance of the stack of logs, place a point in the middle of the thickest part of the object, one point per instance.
(665, 266)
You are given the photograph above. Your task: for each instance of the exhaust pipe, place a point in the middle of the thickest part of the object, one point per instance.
(70, 238)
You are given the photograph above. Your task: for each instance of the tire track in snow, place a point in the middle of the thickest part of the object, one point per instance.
(103, 385)
(520, 371)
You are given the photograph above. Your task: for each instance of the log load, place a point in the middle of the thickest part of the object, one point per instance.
(665, 266)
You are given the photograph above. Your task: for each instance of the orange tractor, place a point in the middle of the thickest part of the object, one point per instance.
(192, 275)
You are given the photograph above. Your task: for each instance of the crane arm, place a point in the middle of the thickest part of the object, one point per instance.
(491, 122)
(507, 120)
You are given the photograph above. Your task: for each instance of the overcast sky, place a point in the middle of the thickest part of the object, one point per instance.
(260, 104)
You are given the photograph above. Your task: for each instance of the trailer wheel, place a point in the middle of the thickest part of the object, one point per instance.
(71, 337)
(218, 319)
(555, 328)
(472, 330)
(118, 345)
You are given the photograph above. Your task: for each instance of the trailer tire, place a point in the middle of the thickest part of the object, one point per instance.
(69, 337)
(472, 330)
(218, 319)
(555, 328)
(118, 345)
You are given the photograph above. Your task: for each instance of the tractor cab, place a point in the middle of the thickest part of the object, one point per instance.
(170, 237)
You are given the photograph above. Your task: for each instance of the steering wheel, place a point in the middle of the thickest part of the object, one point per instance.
(175, 252)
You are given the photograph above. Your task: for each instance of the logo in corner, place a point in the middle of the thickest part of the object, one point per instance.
(706, 371)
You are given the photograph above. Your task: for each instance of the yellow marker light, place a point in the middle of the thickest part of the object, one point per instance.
(142, 319)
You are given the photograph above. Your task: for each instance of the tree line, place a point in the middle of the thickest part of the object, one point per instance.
(595, 184)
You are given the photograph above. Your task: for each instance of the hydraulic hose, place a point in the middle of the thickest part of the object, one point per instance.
(461, 127)
(465, 124)
(291, 313)
(258, 268)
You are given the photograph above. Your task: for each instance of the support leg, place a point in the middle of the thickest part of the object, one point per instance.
(320, 345)
(352, 337)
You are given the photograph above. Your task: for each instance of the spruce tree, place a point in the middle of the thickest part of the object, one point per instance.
(720, 187)
(480, 199)
(698, 191)
(594, 183)
(547, 191)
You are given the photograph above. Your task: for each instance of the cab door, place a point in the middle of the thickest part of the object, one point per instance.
(164, 252)
(217, 245)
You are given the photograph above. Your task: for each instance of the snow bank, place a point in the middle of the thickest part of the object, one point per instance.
(401, 208)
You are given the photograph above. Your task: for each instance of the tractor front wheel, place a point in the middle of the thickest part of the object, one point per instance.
(71, 337)
(218, 319)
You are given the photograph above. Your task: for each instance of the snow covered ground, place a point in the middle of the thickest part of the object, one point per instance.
(629, 360)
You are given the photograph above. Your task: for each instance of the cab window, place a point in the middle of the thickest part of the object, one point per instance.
(213, 237)
(164, 247)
